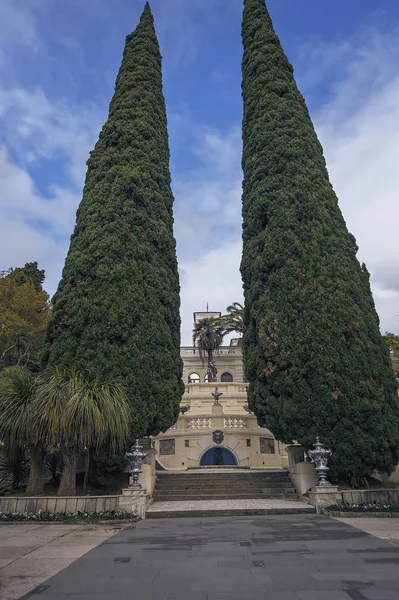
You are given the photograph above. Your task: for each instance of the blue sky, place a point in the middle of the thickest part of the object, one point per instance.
(58, 63)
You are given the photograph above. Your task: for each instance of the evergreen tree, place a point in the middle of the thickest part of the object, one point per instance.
(313, 352)
(116, 310)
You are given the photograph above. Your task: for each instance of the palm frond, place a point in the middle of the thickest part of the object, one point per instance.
(80, 413)
(53, 392)
(16, 399)
(234, 319)
(97, 414)
(208, 335)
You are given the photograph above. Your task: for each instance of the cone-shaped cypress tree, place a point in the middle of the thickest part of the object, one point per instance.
(116, 311)
(313, 353)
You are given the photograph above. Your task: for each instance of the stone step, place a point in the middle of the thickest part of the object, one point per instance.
(201, 479)
(168, 510)
(221, 490)
(231, 486)
(222, 496)
(180, 485)
(224, 473)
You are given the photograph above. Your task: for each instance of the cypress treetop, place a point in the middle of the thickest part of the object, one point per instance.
(313, 353)
(116, 310)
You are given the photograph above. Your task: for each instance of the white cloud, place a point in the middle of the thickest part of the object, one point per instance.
(37, 128)
(213, 278)
(36, 225)
(359, 129)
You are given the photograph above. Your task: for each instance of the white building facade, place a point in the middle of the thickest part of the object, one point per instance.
(217, 434)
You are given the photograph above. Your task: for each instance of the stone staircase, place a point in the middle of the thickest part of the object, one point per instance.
(224, 492)
(223, 485)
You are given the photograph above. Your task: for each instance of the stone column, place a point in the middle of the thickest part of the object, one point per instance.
(133, 501)
(217, 417)
(322, 496)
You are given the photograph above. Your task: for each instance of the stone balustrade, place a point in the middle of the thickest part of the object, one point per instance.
(198, 422)
(223, 351)
(231, 389)
(234, 423)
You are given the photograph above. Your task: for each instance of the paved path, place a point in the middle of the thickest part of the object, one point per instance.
(31, 553)
(287, 557)
(384, 528)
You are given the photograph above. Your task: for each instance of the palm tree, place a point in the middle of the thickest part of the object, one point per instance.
(17, 395)
(208, 334)
(234, 319)
(74, 414)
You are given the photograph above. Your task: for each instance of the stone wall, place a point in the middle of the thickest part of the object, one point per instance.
(131, 501)
(370, 496)
(58, 504)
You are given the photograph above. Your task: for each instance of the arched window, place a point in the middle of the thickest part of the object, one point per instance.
(226, 377)
(194, 378)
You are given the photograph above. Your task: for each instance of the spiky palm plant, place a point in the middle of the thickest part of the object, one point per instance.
(76, 414)
(208, 335)
(16, 412)
(233, 321)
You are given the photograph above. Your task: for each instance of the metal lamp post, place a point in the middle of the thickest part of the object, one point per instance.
(319, 456)
(136, 457)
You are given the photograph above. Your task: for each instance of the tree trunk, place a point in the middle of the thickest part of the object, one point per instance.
(68, 478)
(36, 470)
(87, 469)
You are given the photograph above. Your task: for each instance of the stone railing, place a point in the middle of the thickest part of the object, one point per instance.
(231, 388)
(234, 423)
(199, 423)
(223, 351)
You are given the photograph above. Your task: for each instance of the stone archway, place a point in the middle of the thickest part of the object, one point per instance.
(218, 456)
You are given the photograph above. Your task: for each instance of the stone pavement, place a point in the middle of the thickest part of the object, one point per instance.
(193, 508)
(383, 528)
(285, 557)
(31, 553)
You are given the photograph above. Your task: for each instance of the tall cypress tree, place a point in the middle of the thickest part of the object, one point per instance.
(313, 353)
(116, 311)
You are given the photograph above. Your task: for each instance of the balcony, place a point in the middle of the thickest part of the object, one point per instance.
(186, 351)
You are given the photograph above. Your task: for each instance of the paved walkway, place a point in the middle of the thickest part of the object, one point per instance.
(31, 553)
(287, 557)
(383, 528)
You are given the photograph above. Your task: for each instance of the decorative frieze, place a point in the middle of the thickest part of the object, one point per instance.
(167, 447)
(267, 446)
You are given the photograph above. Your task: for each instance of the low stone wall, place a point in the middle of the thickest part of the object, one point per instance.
(58, 504)
(370, 496)
(132, 501)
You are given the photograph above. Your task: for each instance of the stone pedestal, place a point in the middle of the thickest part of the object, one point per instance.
(134, 500)
(217, 416)
(323, 496)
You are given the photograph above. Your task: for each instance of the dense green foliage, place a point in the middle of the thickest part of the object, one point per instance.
(392, 341)
(116, 311)
(24, 315)
(313, 353)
